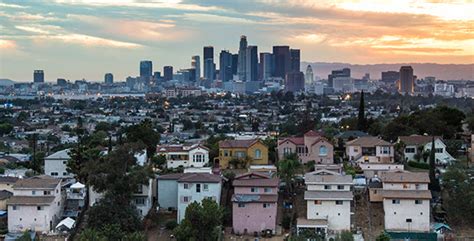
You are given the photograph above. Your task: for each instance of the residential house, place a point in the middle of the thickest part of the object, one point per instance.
(254, 203)
(370, 149)
(418, 147)
(184, 155)
(375, 169)
(36, 204)
(143, 198)
(312, 146)
(6, 183)
(406, 201)
(75, 199)
(253, 150)
(328, 199)
(4, 196)
(55, 164)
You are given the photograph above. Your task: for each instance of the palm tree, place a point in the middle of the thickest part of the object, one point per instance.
(287, 169)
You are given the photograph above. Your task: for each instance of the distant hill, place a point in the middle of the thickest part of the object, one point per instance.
(6, 82)
(440, 71)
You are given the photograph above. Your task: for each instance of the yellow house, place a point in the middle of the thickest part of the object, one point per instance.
(253, 150)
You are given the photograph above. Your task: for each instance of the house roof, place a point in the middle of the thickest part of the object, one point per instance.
(368, 141)
(312, 133)
(417, 139)
(178, 148)
(41, 182)
(249, 198)
(407, 194)
(405, 177)
(255, 179)
(63, 154)
(237, 143)
(172, 176)
(30, 200)
(328, 195)
(200, 177)
(8, 179)
(311, 222)
(294, 140)
(325, 176)
(4, 194)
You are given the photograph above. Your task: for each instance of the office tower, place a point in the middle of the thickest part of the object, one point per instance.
(282, 60)
(309, 76)
(345, 72)
(252, 63)
(209, 66)
(61, 82)
(225, 66)
(295, 60)
(294, 81)
(167, 73)
(196, 65)
(235, 61)
(241, 64)
(146, 69)
(192, 75)
(390, 77)
(266, 66)
(109, 78)
(38, 76)
(157, 75)
(406, 84)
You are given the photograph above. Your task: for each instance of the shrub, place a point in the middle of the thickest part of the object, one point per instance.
(170, 225)
(286, 222)
(419, 165)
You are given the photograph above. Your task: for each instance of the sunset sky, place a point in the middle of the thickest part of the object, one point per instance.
(77, 39)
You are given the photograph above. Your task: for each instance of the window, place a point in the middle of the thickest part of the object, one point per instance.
(287, 150)
(418, 201)
(417, 186)
(186, 199)
(405, 186)
(385, 150)
(267, 189)
(408, 220)
(140, 201)
(323, 151)
(186, 186)
(46, 193)
(258, 154)
(198, 187)
(64, 162)
(33, 192)
(267, 205)
(340, 187)
(64, 173)
(39, 208)
(206, 187)
(439, 150)
(396, 201)
(241, 205)
(338, 202)
(198, 158)
(54, 174)
(240, 154)
(139, 189)
(327, 187)
(318, 202)
(410, 150)
(254, 189)
(14, 207)
(226, 153)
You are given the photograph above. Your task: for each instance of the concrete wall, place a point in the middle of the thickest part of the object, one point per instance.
(338, 216)
(167, 193)
(56, 166)
(396, 215)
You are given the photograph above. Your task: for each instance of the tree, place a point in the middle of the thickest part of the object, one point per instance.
(287, 169)
(144, 133)
(202, 222)
(458, 195)
(271, 144)
(103, 126)
(361, 122)
(434, 184)
(90, 234)
(5, 128)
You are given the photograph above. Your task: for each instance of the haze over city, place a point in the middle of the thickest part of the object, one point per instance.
(85, 39)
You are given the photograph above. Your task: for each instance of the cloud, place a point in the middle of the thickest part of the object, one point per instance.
(86, 40)
(7, 44)
(166, 4)
(6, 5)
(213, 18)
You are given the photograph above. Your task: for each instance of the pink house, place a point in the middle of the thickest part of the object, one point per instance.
(254, 203)
(312, 146)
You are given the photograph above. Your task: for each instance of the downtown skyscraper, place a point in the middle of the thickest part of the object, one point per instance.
(406, 85)
(209, 65)
(225, 66)
(242, 62)
(38, 76)
(196, 65)
(282, 60)
(251, 69)
(146, 69)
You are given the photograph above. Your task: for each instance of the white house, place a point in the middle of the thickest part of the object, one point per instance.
(143, 198)
(370, 149)
(183, 155)
(55, 165)
(406, 201)
(328, 199)
(375, 169)
(196, 187)
(36, 204)
(417, 144)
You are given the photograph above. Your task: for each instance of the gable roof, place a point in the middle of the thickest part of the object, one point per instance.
(325, 176)
(178, 148)
(30, 200)
(417, 139)
(406, 194)
(200, 177)
(405, 177)
(252, 179)
(63, 154)
(41, 182)
(312, 133)
(294, 140)
(6, 179)
(368, 141)
(238, 143)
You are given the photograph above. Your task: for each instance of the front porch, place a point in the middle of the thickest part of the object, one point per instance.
(318, 226)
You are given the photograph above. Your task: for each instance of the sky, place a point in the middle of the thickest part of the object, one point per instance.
(77, 39)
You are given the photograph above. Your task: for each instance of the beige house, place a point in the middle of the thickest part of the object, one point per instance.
(4, 196)
(312, 146)
(6, 183)
(370, 149)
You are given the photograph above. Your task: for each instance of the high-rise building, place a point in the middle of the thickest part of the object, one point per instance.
(38, 76)
(146, 69)
(295, 60)
(345, 72)
(252, 63)
(309, 76)
(61, 82)
(390, 77)
(167, 73)
(242, 62)
(406, 85)
(266, 65)
(294, 81)
(225, 66)
(196, 65)
(109, 78)
(235, 61)
(282, 60)
(209, 65)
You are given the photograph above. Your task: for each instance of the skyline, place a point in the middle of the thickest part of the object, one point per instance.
(64, 37)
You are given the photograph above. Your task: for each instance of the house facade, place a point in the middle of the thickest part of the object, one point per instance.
(184, 155)
(328, 198)
(370, 149)
(417, 148)
(252, 149)
(143, 198)
(36, 204)
(312, 146)
(55, 165)
(406, 201)
(254, 203)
